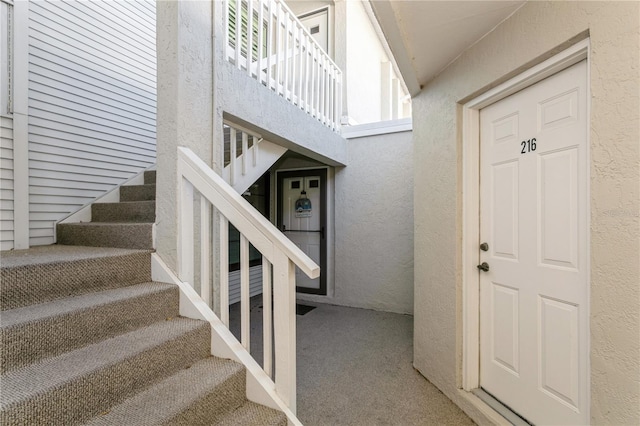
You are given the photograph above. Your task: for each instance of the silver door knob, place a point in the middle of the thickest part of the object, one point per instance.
(484, 266)
(484, 247)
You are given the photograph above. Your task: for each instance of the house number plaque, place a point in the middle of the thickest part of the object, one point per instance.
(528, 146)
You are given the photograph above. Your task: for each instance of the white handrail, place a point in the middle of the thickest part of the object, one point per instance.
(280, 255)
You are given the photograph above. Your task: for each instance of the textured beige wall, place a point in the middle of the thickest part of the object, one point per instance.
(533, 34)
(185, 110)
(374, 224)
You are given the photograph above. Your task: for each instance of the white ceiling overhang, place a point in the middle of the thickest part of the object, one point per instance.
(425, 36)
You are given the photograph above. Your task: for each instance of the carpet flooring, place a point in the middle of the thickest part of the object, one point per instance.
(355, 368)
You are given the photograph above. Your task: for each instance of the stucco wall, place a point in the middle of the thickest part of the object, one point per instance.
(185, 110)
(532, 34)
(373, 213)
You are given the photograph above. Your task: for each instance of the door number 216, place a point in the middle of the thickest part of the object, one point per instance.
(528, 146)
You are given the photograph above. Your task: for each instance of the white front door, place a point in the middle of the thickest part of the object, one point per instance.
(302, 221)
(534, 205)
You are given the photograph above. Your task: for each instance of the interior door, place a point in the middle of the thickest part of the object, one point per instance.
(302, 218)
(534, 205)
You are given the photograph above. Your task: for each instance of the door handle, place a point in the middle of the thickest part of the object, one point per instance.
(484, 266)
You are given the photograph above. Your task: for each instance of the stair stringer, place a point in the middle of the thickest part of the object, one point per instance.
(260, 388)
(257, 160)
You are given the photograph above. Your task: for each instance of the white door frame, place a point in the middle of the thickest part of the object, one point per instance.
(471, 199)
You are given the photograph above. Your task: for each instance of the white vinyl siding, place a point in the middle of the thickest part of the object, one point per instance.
(255, 283)
(6, 183)
(92, 103)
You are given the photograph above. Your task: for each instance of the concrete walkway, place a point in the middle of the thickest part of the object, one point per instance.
(355, 368)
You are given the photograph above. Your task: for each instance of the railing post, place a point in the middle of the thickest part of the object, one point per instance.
(285, 328)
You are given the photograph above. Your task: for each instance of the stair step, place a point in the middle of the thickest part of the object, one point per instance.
(105, 234)
(129, 211)
(43, 274)
(252, 414)
(145, 192)
(150, 177)
(32, 333)
(206, 391)
(78, 385)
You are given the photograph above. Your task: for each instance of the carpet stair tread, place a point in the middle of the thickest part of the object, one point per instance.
(107, 234)
(43, 274)
(31, 333)
(124, 211)
(207, 390)
(146, 192)
(252, 414)
(74, 386)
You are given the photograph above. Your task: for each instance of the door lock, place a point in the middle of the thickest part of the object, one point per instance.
(484, 247)
(484, 266)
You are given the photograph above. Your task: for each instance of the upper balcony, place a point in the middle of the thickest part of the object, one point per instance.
(266, 40)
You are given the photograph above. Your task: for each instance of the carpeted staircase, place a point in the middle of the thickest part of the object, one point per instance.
(88, 338)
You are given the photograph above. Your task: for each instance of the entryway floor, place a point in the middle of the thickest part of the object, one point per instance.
(355, 368)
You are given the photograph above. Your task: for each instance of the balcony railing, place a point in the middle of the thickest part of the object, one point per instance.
(264, 38)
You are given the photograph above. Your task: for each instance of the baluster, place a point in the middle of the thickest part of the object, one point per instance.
(308, 78)
(256, 142)
(245, 152)
(185, 231)
(249, 35)
(232, 155)
(271, 39)
(226, 28)
(331, 98)
(223, 240)
(323, 89)
(267, 318)
(278, 48)
(260, 40)
(285, 77)
(245, 300)
(294, 59)
(300, 66)
(340, 94)
(205, 250)
(314, 76)
(238, 35)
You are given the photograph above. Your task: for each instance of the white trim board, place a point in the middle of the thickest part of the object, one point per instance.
(377, 128)
(471, 199)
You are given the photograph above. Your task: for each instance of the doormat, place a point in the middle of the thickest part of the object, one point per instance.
(303, 309)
